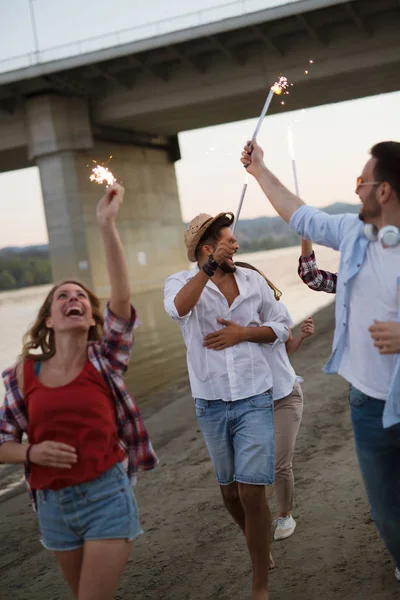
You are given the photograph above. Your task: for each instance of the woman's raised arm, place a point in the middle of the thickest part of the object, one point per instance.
(107, 210)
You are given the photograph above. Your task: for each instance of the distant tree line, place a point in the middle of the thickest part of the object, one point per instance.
(270, 243)
(31, 266)
(24, 268)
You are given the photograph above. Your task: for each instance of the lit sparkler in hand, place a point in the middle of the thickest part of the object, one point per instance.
(280, 87)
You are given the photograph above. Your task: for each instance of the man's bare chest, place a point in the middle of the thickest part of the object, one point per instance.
(229, 290)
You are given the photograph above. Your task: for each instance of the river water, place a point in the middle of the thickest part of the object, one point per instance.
(158, 358)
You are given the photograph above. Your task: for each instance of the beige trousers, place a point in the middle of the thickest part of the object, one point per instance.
(287, 418)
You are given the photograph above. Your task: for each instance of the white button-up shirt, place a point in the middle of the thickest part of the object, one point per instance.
(242, 370)
(284, 375)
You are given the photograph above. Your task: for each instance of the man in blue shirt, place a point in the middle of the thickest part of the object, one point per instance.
(367, 316)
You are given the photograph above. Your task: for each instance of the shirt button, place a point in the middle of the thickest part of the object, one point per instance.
(358, 265)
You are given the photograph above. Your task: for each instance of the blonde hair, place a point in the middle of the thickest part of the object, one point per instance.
(39, 336)
(277, 293)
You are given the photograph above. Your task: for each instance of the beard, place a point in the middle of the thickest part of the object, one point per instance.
(227, 267)
(370, 208)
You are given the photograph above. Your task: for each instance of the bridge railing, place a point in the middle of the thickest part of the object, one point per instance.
(140, 32)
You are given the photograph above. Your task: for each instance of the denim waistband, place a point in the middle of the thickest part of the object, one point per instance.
(117, 470)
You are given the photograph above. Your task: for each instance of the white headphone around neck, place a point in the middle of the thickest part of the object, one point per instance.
(388, 236)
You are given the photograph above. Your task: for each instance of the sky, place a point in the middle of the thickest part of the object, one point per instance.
(331, 142)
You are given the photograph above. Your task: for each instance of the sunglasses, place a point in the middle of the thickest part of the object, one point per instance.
(360, 182)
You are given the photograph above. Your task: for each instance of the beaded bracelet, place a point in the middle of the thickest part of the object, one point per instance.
(210, 266)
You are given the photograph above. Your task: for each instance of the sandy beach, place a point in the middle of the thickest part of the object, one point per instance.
(191, 549)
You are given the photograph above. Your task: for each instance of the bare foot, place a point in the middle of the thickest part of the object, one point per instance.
(271, 562)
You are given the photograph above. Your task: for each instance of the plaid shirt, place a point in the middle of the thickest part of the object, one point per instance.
(110, 357)
(316, 279)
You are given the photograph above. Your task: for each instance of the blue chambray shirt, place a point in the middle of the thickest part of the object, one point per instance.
(345, 233)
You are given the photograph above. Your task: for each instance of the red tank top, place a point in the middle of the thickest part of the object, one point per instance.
(80, 414)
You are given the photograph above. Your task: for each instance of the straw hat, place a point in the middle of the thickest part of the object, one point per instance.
(197, 228)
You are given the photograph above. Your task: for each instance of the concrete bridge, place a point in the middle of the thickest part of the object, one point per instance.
(130, 100)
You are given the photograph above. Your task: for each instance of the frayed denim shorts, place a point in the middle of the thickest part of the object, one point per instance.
(102, 509)
(240, 438)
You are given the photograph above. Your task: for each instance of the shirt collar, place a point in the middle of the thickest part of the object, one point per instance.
(241, 275)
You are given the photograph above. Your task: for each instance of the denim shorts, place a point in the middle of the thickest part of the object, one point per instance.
(101, 509)
(240, 438)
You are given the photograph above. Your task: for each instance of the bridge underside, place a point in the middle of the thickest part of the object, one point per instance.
(210, 77)
(244, 97)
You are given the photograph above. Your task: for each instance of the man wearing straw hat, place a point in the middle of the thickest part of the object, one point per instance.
(225, 317)
(364, 352)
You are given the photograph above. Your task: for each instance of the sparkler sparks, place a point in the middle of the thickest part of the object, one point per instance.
(280, 86)
(101, 174)
(311, 61)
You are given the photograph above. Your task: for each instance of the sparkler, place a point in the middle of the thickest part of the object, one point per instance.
(291, 146)
(280, 87)
(292, 155)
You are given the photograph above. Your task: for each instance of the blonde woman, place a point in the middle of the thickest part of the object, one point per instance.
(67, 395)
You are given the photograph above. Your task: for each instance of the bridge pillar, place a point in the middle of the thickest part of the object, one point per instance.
(63, 145)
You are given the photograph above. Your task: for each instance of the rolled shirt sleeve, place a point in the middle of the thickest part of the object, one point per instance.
(316, 279)
(117, 340)
(173, 286)
(274, 314)
(282, 327)
(281, 330)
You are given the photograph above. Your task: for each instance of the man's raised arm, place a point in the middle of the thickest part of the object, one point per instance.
(189, 295)
(307, 221)
(179, 300)
(284, 201)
